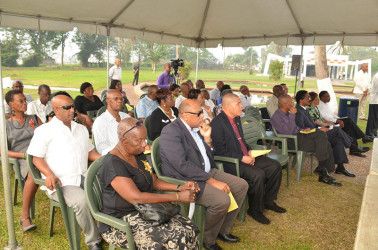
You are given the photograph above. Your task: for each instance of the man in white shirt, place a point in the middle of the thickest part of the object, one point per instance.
(272, 103)
(185, 87)
(345, 123)
(216, 92)
(17, 85)
(105, 126)
(245, 96)
(372, 123)
(208, 102)
(361, 90)
(115, 72)
(61, 149)
(41, 107)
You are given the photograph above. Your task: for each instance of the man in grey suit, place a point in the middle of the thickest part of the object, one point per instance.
(186, 154)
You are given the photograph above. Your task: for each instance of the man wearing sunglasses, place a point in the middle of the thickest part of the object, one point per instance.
(61, 149)
(262, 173)
(186, 154)
(105, 126)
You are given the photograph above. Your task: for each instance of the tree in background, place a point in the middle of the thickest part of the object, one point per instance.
(276, 67)
(124, 49)
(242, 61)
(39, 46)
(89, 45)
(60, 41)
(10, 46)
(361, 53)
(274, 49)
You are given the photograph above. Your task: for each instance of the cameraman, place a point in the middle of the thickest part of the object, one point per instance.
(166, 79)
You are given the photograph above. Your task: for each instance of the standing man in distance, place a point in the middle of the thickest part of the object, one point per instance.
(136, 73)
(165, 79)
(361, 89)
(216, 92)
(115, 72)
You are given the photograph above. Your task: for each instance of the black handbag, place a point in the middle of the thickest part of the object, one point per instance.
(157, 213)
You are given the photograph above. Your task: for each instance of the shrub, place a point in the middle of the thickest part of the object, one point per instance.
(276, 67)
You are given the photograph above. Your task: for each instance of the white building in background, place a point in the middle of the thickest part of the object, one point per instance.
(340, 63)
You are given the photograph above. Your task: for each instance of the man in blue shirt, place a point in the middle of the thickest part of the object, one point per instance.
(147, 104)
(165, 79)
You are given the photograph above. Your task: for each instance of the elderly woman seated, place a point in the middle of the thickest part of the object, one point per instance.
(196, 95)
(162, 116)
(20, 130)
(126, 179)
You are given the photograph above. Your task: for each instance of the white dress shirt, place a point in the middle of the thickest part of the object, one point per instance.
(272, 105)
(37, 108)
(200, 145)
(8, 109)
(215, 93)
(210, 103)
(326, 112)
(245, 100)
(362, 82)
(179, 100)
(105, 131)
(115, 73)
(374, 90)
(65, 151)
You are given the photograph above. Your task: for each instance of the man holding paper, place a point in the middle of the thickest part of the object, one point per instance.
(262, 174)
(186, 154)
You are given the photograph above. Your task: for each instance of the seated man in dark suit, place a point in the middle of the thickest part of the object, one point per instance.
(283, 120)
(336, 136)
(262, 174)
(185, 151)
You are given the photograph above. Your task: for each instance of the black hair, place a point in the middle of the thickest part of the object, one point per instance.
(282, 84)
(43, 86)
(84, 86)
(162, 94)
(113, 84)
(10, 94)
(313, 96)
(193, 94)
(226, 86)
(174, 87)
(300, 95)
(322, 93)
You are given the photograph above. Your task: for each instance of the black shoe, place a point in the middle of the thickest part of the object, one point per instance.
(274, 207)
(228, 238)
(345, 172)
(357, 154)
(367, 139)
(96, 246)
(215, 246)
(364, 149)
(258, 216)
(328, 181)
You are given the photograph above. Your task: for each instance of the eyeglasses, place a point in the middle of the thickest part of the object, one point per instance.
(198, 113)
(116, 98)
(66, 107)
(21, 101)
(138, 124)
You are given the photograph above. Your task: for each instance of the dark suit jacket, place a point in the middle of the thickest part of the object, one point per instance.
(303, 118)
(225, 142)
(158, 121)
(180, 155)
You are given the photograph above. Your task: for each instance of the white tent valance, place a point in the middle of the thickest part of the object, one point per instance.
(209, 22)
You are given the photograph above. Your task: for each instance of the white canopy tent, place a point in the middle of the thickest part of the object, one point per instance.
(193, 23)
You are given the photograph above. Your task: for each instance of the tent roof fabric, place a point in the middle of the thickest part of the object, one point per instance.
(206, 23)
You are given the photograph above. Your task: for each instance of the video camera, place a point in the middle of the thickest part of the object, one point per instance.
(175, 64)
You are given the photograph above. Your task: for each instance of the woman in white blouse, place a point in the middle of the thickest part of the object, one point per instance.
(196, 95)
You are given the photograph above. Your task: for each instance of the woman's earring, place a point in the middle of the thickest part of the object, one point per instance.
(165, 105)
(13, 112)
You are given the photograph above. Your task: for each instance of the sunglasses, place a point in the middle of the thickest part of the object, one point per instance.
(66, 107)
(138, 124)
(198, 113)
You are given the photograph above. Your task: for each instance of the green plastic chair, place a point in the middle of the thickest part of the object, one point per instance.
(147, 125)
(199, 212)
(93, 196)
(19, 180)
(69, 218)
(253, 132)
(101, 110)
(92, 114)
(299, 155)
(103, 96)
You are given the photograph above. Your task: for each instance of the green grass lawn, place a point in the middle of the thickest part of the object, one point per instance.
(319, 217)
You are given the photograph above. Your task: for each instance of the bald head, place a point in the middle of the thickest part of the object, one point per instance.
(231, 105)
(228, 99)
(63, 109)
(61, 100)
(278, 90)
(285, 102)
(220, 85)
(112, 93)
(188, 105)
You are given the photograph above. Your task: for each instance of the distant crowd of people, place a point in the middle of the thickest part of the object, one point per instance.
(193, 126)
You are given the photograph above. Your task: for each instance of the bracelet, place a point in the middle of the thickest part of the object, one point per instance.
(178, 188)
(177, 197)
(25, 155)
(208, 142)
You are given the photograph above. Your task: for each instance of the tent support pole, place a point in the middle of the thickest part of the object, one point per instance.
(300, 70)
(197, 62)
(12, 241)
(107, 56)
